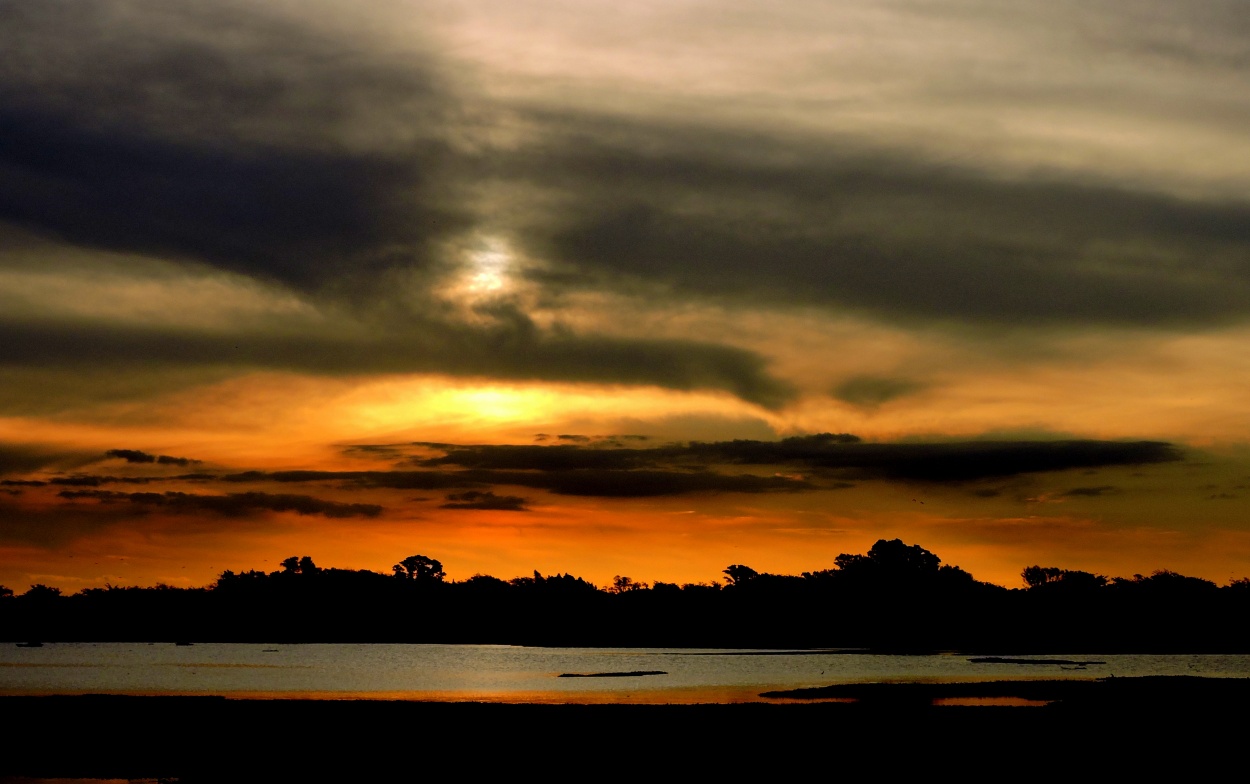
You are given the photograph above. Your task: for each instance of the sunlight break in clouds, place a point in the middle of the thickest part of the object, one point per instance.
(657, 240)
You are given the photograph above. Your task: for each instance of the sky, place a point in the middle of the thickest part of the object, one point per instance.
(642, 289)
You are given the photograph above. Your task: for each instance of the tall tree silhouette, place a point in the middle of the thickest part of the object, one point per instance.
(739, 574)
(420, 568)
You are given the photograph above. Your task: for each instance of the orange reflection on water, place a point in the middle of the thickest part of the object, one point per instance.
(1013, 702)
(683, 696)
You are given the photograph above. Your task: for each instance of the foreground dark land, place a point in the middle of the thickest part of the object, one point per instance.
(897, 597)
(1106, 726)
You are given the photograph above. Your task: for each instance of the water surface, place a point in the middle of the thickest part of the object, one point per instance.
(501, 673)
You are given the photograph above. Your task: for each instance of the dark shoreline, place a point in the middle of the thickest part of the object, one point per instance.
(1099, 724)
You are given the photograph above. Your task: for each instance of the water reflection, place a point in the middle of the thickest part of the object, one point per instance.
(495, 673)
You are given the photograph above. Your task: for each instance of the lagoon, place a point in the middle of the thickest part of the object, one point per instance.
(521, 674)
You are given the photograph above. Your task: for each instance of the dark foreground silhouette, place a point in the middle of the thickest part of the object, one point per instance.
(1106, 728)
(896, 597)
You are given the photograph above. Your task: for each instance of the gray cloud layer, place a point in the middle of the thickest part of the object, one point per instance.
(242, 137)
(844, 453)
(513, 348)
(56, 509)
(218, 132)
(231, 505)
(822, 223)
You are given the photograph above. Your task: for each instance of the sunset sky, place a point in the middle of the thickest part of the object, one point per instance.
(640, 289)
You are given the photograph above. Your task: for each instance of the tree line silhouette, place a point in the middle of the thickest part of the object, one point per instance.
(895, 598)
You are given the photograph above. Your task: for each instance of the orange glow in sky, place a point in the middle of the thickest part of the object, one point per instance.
(621, 290)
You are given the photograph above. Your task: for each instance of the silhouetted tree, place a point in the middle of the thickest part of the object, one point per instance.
(895, 596)
(299, 565)
(420, 568)
(896, 557)
(738, 574)
(1165, 582)
(712, 586)
(5, 592)
(1035, 576)
(622, 584)
(889, 565)
(1051, 577)
(40, 592)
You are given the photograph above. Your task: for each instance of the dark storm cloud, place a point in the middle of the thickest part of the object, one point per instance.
(376, 451)
(1091, 492)
(473, 499)
(800, 464)
(602, 482)
(301, 218)
(838, 452)
(96, 480)
(567, 457)
(20, 458)
(400, 480)
(646, 484)
(137, 456)
(871, 391)
(561, 457)
(217, 132)
(17, 458)
(228, 134)
(58, 525)
(831, 223)
(825, 460)
(513, 348)
(942, 462)
(232, 505)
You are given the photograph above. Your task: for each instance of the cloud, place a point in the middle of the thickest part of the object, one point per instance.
(375, 451)
(644, 484)
(21, 458)
(249, 139)
(137, 456)
(946, 461)
(222, 132)
(601, 482)
(841, 452)
(558, 457)
(873, 391)
(338, 168)
(836, 224)
(1091, 492)
(95, 480)
(823, 460)
(474, 499)
(18, 458)
(513, 348)
(232, 505)
(401, 480)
